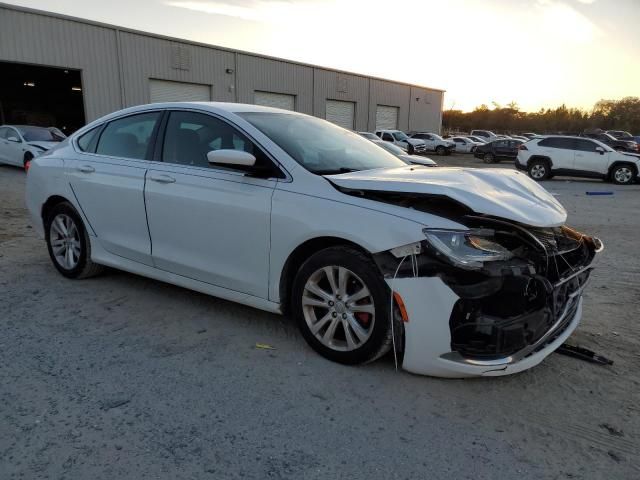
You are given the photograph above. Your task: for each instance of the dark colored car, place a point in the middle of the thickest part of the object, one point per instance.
(613, 142)
(621, 135)
(502, 149)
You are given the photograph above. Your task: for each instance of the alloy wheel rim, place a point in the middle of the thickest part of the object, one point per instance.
(623, 175)
(338, 308)
(64, 237)
(538, 171)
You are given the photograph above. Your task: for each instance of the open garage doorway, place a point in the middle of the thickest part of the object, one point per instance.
(42, 96)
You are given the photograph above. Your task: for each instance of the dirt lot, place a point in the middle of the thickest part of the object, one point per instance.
(124, 377)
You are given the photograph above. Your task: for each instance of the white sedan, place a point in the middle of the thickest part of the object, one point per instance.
(19, 144)
(402, 155)
(465, 144)
(457, 272)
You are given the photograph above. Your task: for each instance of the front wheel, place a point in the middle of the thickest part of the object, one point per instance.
(539, 170)
(410, 149)
(27, 161)
(441, 150)
(622, 175)
(68, 243)
(342, 306)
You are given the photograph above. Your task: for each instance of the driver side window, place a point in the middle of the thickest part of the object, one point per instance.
(190, 136)
(387, 137)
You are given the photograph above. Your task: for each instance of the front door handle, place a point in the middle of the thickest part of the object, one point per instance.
(162, 178)
(86, 169)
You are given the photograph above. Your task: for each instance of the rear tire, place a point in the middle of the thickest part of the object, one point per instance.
(488, 158)
(68, 243)
(344, 331)
(539, 170)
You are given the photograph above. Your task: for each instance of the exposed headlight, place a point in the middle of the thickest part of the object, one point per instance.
(467, 248)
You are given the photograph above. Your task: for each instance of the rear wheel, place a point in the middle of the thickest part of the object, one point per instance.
(622, 174)
(342, 306)
(68, 243)
(488, 158)
(539, 170)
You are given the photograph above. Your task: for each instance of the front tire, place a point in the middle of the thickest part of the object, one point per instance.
(441, 150)
(622, 175)
(539, 170)
(27, 159)
(68, 243)
(342, 306)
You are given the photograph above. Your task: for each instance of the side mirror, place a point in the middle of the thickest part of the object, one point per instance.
(600, 150)
(231, 157)
(13, 139)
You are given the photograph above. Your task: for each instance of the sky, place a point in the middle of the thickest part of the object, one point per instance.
(538, 53)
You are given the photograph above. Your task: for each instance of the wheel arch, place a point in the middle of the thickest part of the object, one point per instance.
(543, 158)
(51, 202)
(299, 255)
(619, 163)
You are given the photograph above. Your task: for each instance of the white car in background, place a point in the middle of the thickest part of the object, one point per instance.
(402, 155)
(544, 157)
(435, 143)
(476, 139)
(465, 144)
(369, 136)
(19, 144)
(458, 272)
(412, 146)
(486, 135)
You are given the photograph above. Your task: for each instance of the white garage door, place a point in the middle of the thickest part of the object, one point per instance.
(164, 91)
(276, 100)
(341, 113)
(386, 117)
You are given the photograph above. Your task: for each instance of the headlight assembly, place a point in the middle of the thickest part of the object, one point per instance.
(467, 249)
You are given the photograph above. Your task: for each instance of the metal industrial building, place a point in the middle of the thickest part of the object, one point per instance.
(64, 71)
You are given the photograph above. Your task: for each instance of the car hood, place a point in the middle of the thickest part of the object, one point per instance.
(45, 145)
(414, 141)
(497, 192)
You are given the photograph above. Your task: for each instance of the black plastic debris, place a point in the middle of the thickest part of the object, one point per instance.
(583, 354)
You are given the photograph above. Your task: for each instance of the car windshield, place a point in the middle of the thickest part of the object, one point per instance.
(320, 146)
(400, 136)
(41, 134)
(621, 135)
(391, 148)
(437, 137)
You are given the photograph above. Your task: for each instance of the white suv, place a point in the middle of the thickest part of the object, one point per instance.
(547, 156)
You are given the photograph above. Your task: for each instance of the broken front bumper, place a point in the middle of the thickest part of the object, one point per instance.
(429, 305)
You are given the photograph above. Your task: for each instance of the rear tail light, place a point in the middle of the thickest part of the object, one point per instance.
(523, 147)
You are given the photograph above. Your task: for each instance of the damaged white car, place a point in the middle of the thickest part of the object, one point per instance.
(459, 272)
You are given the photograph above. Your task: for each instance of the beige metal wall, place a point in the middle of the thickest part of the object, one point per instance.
(329, 85)
(43, 40)
(117, 64)
(268, 75)
(144, 57)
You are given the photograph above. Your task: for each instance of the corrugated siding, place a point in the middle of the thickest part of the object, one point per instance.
(392, 95)
(426, 110)
(266, 75)
(330, 85)
(38, 39)
(145, 57)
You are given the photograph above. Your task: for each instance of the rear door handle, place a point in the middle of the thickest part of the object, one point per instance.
(162, 178)
(86, 169)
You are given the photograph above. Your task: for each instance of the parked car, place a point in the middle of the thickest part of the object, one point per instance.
(621, 135)
(19, 144)
(290, 213)
(476, 139)
(401, 139)
(530, 135)
(576, 156)
(369, 135)
(404, 156)
(497, 150)
(520, 137)
(465, 144)
(435, 143)
(486, 135)
(621, 145)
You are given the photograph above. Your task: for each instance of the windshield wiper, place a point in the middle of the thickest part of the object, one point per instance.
(335, 171)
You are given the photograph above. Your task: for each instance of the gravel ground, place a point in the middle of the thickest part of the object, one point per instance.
(124, 377)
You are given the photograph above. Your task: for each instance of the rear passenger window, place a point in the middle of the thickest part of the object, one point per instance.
(86, 142)
(129, 137)
(564, 143)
